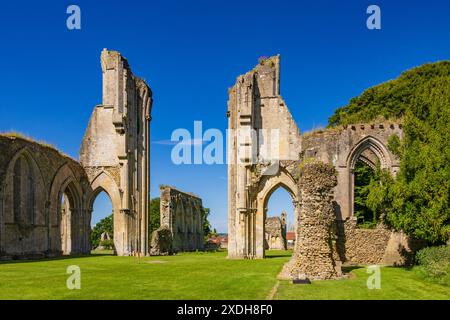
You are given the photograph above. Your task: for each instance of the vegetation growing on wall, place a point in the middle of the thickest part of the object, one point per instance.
(418, 200)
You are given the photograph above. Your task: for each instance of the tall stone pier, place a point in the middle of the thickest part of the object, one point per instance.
(315, 255)
(115, 152)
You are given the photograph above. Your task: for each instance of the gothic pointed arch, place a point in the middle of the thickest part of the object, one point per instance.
(371, 152)
(375, 146)
(24, 190)
(68, 226)
(23, 205)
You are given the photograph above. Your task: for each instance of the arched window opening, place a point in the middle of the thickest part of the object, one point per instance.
(369, 185)
(364, 178)
(23, 197)
(65, 224)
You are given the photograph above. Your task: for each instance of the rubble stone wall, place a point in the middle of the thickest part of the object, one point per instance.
(315, 255)
(374, 246)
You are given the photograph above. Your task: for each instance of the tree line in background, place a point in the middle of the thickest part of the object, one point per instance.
(417, 200)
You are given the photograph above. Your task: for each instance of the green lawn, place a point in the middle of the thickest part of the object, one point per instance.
(196, 276)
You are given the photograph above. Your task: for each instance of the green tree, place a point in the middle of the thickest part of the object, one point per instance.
(104, 225)
(207, 232)
(417, 201)
(363, 178)
(154, 220)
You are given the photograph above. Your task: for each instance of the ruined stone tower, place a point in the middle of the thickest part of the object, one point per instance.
(115, 152)
(265, 151)
(263, 141)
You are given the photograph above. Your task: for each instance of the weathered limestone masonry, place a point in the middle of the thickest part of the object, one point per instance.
(115, 152)
(275, 231)
(343, 147)
(161, 243)
(315, 256)
(43, 208)
(182, 214)
(255, 103)
(46, 198)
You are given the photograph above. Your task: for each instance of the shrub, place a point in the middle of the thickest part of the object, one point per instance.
(434, 263)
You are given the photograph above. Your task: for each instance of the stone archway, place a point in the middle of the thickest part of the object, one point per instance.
(267, 186)
(104, 182)
(68, 234)
(70, 219)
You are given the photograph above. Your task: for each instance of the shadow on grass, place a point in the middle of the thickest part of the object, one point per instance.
(20, 261)
(278, 256)
(348, 269)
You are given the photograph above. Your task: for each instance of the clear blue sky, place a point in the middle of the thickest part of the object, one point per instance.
(190, 52)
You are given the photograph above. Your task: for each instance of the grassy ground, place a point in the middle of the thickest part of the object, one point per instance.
(396, 284)
(196, 276)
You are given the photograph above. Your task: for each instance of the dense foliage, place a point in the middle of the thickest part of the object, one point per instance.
(392, 99)
(418, 200)
(207, 231)
(104, 225)
(364, 176)
(434, 263)
(154, 220)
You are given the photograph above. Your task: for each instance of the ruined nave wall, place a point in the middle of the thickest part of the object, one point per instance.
(183, 214)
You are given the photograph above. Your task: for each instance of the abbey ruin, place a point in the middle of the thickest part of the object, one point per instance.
(255, 171)
(275, 233)
(183, 214)
(46, 198)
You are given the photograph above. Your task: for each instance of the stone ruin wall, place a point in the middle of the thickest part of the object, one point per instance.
(182, 214)
(341, 147)
(33, 179)
(255, 103)
(46, 198)
(374, 246)
(275, 230)
(115, 151)
(315, 255)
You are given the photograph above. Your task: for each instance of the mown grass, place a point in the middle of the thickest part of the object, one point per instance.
(396, 284)
(196, 276)
(183, 276)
